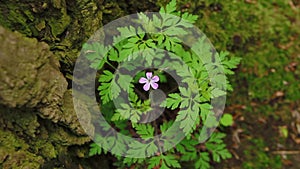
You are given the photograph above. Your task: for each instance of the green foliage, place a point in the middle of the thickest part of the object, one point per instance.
(216, 146)
(264, 35)
(261, 159)
(173, 101)
(145, 131)
(188, 104)
(164, 161)
(108, 89)
(226, 120)
(95, 149)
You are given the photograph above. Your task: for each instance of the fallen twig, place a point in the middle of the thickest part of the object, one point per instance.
(286, 152)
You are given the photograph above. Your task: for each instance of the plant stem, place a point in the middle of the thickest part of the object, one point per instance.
(110, 65)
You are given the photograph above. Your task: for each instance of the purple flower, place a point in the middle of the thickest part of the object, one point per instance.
(149, 81)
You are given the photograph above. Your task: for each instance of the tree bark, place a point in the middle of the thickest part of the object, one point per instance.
(38, 125)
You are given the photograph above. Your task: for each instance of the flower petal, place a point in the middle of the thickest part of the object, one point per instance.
(143, 80)
(146, 86)
(154, 85)
(155, 79)
(149, 75)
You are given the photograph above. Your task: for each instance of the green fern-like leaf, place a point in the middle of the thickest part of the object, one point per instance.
(187, 119)
(95, 149)
(173, 101)
(217, 147)
(203, 161)
(229, 63)
(171, 161)
(145, 131)
(189, 17)
(170, 7)
(109, 89)
(95, 52)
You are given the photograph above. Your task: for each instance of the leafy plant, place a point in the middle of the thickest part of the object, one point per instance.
(226, 120)
(189, 81)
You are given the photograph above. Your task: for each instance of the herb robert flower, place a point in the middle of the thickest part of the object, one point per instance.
(149, 81)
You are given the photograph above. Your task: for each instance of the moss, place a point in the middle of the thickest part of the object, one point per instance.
(70, 116)
(34, 139)
(22, 122)
(65, 25)
(35, 73)
(63, 137)
(59, 25)
(32, 94)
(12, 17)
(48, 150)
(14, 153)
(257, 157)
(60, 21)
(264, 34)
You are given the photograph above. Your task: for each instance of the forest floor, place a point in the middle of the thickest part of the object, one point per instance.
(264, 135)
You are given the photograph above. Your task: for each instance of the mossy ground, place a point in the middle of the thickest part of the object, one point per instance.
(266, 85)
(265, 34)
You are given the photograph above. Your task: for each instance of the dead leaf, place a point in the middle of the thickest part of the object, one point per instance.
(295, 138)
(236, 138)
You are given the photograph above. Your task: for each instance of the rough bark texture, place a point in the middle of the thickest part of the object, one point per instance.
(38, 126)
(64, 24)
(33, 96)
